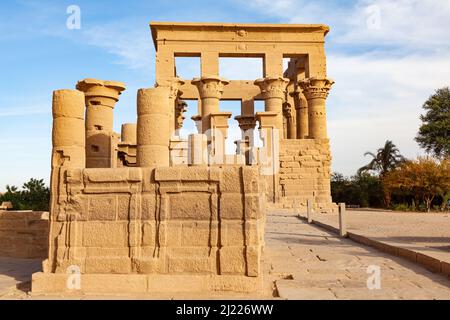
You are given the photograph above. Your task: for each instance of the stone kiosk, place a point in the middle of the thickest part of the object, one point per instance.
(146, 211)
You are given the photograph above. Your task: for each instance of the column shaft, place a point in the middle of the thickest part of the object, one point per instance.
(316, 92)
(68, 134)
(101, 97)
(152, 131)
(273, 90)
(210, 89)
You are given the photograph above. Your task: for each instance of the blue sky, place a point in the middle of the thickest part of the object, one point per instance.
(386, 56)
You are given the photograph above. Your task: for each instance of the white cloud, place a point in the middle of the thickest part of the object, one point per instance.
(383, 75)
(376, 99)
(419, 25)
(133, 47)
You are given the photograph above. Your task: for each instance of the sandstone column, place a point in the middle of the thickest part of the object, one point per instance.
(174, 85)
(129, 133)
(219, 133)
(197, 150)
(198, 123)
(68, 134)
(316, 92)
(268, 157)
(247, 123)
(290, 125)
(273, 90)
(301, 108)
(180, 109)
(101, 97)
(153, 133)
(210, 89)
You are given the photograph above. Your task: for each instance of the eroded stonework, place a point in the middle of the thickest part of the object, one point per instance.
(149, 210)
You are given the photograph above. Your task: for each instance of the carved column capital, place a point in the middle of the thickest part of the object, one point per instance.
(246, 122)
(316, 88)
(272, 87)
(101, 92)
(180, 109)
(287, 110)
(210, 86)
(174, 84)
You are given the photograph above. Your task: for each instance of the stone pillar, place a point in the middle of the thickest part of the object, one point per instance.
(68, 134)
(219, 133)
(290, 125)
(129, 133)
(269, 155)
(101, 97)
(316, 92)
(197, 150)
(198, 123)
(301, 108)
(273, 90)
(153, 134)
(342, 221)
(247, 123)
(180, 109)
(210, 89)
(174, 85)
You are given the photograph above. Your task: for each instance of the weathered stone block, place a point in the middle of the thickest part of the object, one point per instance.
(148, 206)
(190, 206)
(107, 265)
(148, 234)
(190, 265)
(102, 208)
(199, 234)
(105, 234)
(232, 206)
(232, 260)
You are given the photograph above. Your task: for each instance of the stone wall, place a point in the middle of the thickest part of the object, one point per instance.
(24, 234)
(305, 171)
(164, 221)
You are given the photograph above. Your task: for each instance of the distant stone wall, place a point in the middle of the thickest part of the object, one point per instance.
(24, 234)
(305, 171)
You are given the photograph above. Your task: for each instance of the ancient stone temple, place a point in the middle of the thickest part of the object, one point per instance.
(149, 211)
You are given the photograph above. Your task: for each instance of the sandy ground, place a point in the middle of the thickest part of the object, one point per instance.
(302, 261)
(425, 232)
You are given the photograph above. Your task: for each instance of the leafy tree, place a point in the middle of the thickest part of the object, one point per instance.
(385, 160)
(364, 190)
(33, 196)
(434, 134)
(424, 178)
(36, 195)
(11, 195)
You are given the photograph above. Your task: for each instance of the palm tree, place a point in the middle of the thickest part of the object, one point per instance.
(385, 160)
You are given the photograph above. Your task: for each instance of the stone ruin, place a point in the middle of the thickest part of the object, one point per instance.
(146, 211)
